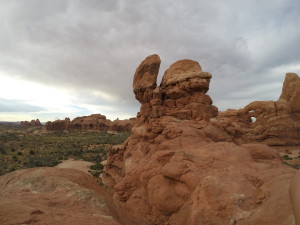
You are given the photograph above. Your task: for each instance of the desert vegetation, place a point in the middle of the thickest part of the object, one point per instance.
(26, 148)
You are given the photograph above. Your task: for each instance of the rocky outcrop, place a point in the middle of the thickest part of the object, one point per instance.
(95, 122)
(180, 166)
(181, 93)
(53, 196)
(269, 122)
(32, 123)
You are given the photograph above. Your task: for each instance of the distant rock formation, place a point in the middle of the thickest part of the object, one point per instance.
(269, 122)
(32, 123)
(181, 165)
(95, 122)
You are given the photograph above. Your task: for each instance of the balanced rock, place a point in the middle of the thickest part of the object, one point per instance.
(144, 81)
(186, 70)
(181, 93)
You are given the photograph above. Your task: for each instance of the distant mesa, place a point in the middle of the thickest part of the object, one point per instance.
(94, 122)
(32, 123)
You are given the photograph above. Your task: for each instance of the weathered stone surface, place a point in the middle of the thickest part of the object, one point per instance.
(185, 70)
(181, 93)
(53, 196)
(181, 165)
(269, 122)
(144, 81)
(95, 122)
(295, 196)
(291, 91)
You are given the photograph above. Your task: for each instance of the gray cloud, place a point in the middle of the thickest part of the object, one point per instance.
(17, 106)
(97, 45)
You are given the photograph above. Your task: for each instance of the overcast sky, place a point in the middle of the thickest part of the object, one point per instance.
(68, 58)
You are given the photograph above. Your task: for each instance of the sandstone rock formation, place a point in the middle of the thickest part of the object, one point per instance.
(145, 77)
(180, 166)
(95, 122)
(180, 95)
(53, 196)
(269, 122)
(32, 123)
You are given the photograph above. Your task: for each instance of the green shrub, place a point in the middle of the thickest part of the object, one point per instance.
(97, 166)
(286, 157)
(2, 151)
(95, 173)
(41, 162)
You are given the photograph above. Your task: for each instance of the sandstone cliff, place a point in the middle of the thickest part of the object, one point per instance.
(181, 165)
(95, 122)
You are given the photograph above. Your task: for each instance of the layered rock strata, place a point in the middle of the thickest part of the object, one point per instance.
(181, 94)
(95, 122)
(180, 166)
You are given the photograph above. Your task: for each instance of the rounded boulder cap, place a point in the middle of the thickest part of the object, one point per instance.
(182, 70)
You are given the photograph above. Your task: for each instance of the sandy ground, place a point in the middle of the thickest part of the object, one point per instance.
(76, 164)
